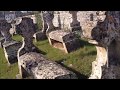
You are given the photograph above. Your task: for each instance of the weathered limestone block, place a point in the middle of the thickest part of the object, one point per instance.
(63, 40)
(33, 63)
(40, 67)
(58, 36)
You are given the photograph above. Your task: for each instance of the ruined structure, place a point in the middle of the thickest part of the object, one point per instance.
(10, 46)
(32, 63)
(58, 37)
(101, 28)
(63, 40)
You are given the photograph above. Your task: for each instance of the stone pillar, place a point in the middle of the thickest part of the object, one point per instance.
(75, 25)
(48, 16)
(44, 24)
(101, 60)
(65, 41)
(41, 35)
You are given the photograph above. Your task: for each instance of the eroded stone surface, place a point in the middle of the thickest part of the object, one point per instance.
(10, 50)
(41, 68)
(64, 40)
(9, 45)
(33, 63)
(103, 28)
(104, 32)
(4, 29)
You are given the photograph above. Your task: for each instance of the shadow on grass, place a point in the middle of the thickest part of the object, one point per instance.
(39, 51)
(92, 53)
(79, 75)
(84, 43)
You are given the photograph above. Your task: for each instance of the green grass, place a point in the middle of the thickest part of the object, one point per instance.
(7, 72)
(80, 60)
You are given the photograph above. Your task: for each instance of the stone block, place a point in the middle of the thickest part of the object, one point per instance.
(39, 67)
(63, 40)
(40, 36)
(10, 51)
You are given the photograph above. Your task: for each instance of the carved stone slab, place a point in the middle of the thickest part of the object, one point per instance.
(33, 63)
(63, 40)
(40, 67)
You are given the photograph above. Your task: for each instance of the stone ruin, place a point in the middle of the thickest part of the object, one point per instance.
(9, 45)
(58, 36)
(101, 28)
(105, 36)
(34, 64)
(64, 41)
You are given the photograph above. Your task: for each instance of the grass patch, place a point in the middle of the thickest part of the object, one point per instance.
(79, 60)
